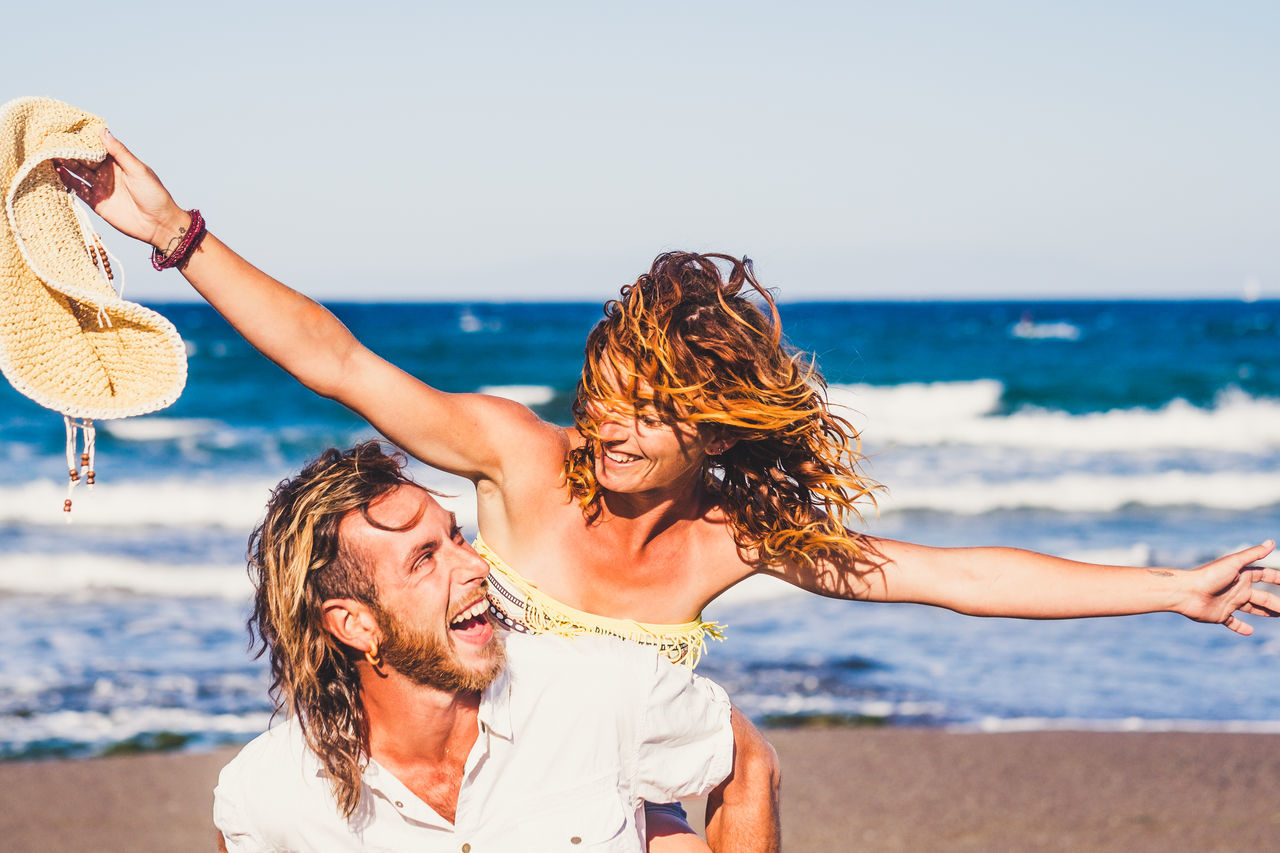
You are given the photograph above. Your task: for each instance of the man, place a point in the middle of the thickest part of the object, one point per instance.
(405, 730)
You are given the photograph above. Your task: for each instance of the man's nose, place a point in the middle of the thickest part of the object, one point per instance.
(471, 567)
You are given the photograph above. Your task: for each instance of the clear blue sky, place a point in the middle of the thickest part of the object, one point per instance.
(549, 150)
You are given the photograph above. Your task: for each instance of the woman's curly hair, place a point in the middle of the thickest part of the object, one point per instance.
(296, 563)
(686, 341)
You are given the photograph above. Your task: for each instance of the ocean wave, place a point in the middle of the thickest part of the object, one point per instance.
(150, 428)
(232, 503)
(960, 413)
(1002, 725)
(82, 731)
(80, 574)
(528, 395)
(1089, 493)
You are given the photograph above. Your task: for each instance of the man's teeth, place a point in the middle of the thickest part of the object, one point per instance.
(470, 613)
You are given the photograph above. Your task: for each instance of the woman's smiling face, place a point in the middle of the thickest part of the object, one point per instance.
(639, 450)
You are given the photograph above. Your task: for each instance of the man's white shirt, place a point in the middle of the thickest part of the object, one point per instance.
(574, 736)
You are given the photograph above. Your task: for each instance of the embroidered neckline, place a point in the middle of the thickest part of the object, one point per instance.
(682, 643)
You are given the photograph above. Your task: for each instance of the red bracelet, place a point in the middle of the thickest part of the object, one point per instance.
(190, 242)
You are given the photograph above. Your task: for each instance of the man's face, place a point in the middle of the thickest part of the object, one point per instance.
(431, 606)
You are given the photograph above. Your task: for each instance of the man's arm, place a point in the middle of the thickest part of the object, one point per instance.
(692, 741)
(743, 810)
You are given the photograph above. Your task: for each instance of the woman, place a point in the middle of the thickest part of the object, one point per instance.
(702, 453)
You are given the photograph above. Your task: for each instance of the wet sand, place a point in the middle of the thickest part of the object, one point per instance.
(843, 790)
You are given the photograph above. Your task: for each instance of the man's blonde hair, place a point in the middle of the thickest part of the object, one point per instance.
(297, 562)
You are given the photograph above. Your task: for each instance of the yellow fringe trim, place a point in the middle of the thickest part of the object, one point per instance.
(684, 643)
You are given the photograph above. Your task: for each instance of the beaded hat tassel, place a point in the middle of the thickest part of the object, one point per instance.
(84, 461)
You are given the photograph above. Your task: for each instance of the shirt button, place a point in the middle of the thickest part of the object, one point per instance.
(399, 804)
(575, 840)
(466, 848)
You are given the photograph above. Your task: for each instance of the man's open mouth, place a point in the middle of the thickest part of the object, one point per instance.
(472, 623)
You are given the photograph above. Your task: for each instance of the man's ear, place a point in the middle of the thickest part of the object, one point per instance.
(351, 622)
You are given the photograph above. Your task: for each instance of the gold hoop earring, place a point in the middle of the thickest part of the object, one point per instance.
(372, 657)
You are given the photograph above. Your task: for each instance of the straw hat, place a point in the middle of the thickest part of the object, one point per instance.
(67, 339)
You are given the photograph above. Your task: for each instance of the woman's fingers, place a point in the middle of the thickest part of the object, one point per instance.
(1238, 625)
(1262, 602)
(1252, 555)
(123, 156)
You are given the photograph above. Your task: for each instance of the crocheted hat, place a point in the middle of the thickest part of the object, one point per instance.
(67, 339)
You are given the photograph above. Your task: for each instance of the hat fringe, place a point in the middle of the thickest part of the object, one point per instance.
(84, 461)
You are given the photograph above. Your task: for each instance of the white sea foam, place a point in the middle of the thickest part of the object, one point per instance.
(151, 428)
(119, 724)
(799, 704)
(930, 414)
(79, 574)
(234, 503)
(528, 395)
(998, 725)
(1089, 493)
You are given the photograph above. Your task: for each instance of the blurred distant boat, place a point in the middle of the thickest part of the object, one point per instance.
(468, 322)
(1252, 290)
(1029, 329)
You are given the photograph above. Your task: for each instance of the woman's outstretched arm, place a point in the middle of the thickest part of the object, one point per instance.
(1027, 585)
(461, 433)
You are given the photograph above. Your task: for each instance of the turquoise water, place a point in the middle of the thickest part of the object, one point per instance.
(1133, 432)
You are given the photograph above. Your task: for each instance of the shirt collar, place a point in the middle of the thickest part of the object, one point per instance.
(494, 714)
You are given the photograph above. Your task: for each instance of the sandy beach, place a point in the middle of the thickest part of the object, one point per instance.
(844, 790)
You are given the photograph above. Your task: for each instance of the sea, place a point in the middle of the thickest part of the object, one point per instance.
(1136, 433)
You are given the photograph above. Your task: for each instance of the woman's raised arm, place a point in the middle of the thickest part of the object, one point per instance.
(1027, 585)
(461, 433)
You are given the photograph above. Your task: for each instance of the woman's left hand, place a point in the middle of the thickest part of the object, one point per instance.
(1230, 585)
(127, 194)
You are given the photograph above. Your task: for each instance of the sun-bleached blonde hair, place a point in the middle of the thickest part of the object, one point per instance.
(297, 562)
(686, 342)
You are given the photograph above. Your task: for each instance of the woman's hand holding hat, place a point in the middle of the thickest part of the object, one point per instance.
(126, 193)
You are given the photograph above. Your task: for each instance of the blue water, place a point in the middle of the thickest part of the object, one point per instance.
(1144, 433)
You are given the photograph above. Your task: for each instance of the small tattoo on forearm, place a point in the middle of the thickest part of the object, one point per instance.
(174, 242)
(1161, 573)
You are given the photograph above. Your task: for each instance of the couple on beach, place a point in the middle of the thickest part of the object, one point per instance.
(703, 451)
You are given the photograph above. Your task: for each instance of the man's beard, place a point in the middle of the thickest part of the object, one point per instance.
(429, 660)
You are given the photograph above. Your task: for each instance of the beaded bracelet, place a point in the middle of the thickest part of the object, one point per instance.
(190, 242)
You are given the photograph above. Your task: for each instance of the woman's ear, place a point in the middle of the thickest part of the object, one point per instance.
(720, 443)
